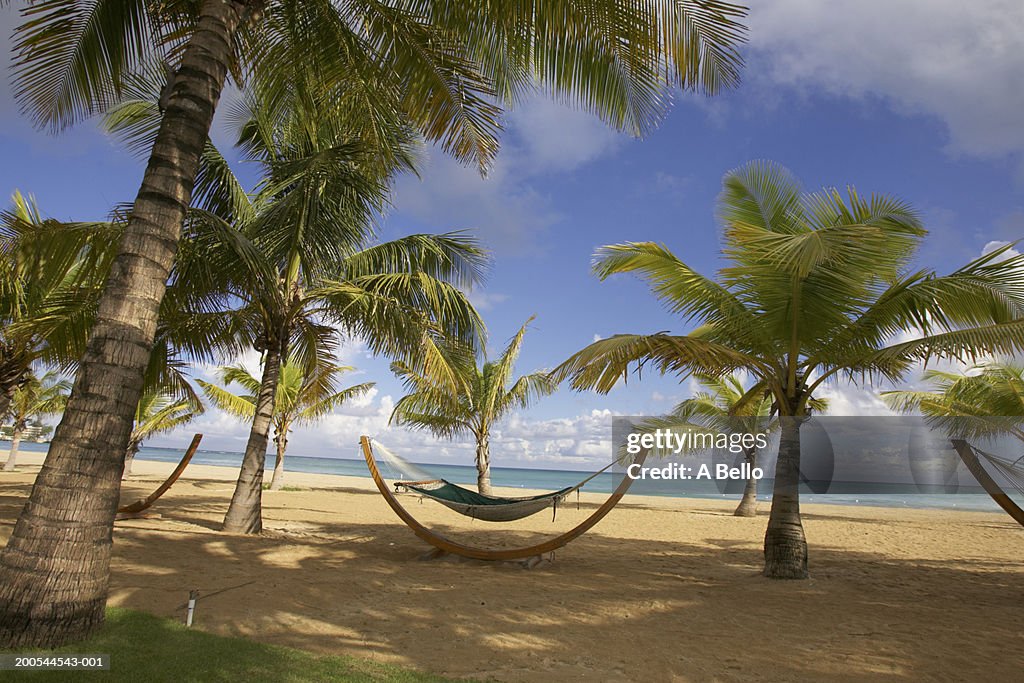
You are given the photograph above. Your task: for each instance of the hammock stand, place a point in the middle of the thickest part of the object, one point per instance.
(445, 545)
(969, 454)
(136, 509)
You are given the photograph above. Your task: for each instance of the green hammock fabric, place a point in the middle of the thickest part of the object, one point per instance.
(462, 496)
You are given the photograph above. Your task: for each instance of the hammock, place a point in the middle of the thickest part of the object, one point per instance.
(1010, 470)
(447, 545)
(477, 505)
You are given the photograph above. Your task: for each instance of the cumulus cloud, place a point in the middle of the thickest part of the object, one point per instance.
(507, 209)
(486, 301)
(549, 136)
(997, 244)
(963, 64)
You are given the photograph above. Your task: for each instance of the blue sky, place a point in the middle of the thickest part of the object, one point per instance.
(916, 98)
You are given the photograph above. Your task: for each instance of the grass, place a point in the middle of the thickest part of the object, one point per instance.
(266, 487)
(143, 647)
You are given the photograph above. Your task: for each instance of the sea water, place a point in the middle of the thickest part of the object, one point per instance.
(553, 479)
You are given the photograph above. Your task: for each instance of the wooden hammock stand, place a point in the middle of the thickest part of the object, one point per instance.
(136, 509)
(446, 545)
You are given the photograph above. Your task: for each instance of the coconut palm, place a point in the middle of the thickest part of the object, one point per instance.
(35, 397)
(302, 398)
(723, 406)
(991, 394)
(449, 67)
(454, 396)
(307, 266)
(160, 410)
(50, 278)
(816, 289)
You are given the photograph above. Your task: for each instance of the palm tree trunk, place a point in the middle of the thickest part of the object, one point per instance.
(12, 459)
(748, 504)
(785, 548)
(277, 481)
(483, 464)
(129, 458)
(55, 570)
(13, 371)
(245, 514)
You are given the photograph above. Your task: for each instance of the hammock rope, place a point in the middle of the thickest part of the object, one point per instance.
(477, 505)
(1008, 470)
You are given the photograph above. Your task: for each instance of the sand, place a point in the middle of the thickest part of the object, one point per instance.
(661, 590)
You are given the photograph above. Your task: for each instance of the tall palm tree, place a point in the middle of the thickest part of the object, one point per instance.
(990, 393)
(302, 398)
(35, 397)
(454, 396)
(448, 66)
(160, 410)
(816, 288)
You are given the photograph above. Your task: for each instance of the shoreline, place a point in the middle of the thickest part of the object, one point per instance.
(963, 501)
(662, 589)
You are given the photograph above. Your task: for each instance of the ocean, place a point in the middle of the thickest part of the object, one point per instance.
(553, 479)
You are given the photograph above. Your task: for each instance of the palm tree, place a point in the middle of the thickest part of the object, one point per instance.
(50, 277)
(159, 411)
(306, 267)
(35, 397)
(302, 398)
(447, 66)
(454, 396)
(721, 406)
(990, 393)
(725, 406)
(816, 289)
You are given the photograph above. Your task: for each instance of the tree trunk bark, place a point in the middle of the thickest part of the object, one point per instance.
(129, 458)
(277, 481)
(785, 548)
(14, 366)
(12, 459)
(245, 514)
(483, 464)
(748, 504)
(55, 570)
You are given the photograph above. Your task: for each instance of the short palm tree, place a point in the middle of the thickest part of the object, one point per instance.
(723, 406)
(160, 410)
(35, 397)
(50, 278)
(448, 67)
(455, 396)
(990, 393)
(816, 289)
(302, 398)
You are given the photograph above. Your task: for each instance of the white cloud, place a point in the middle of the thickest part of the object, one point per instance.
(962, 63)
(554, 137)
(486, 301)
(507, 210)
(997, 244)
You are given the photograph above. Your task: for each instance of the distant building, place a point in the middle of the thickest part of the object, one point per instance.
(38, 433)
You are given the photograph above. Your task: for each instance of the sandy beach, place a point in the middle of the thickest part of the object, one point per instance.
(661, 590)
